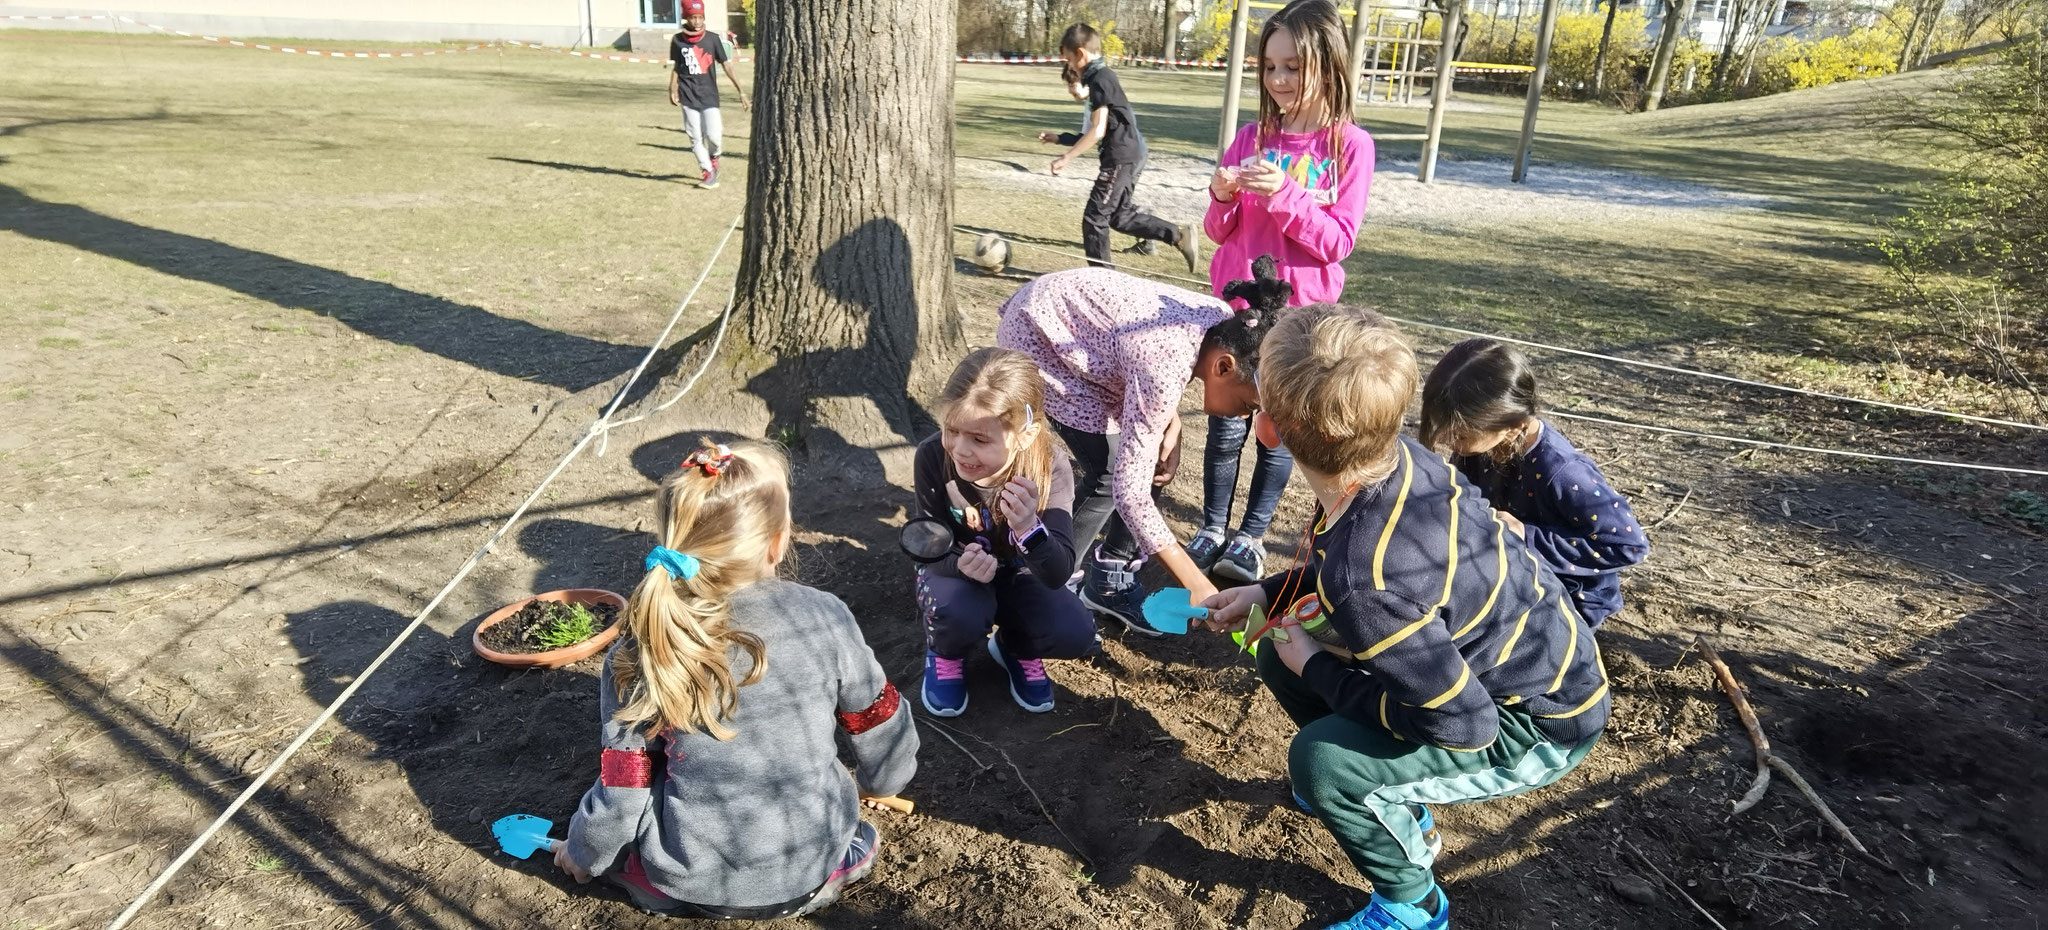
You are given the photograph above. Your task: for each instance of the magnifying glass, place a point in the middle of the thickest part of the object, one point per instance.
(929, 539)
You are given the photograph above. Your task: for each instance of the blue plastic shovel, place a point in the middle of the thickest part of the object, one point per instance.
(1168, 610)
(522, 835)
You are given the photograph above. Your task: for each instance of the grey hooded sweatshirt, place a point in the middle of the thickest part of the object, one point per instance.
(763, 818)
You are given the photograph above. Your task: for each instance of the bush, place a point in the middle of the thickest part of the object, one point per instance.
(1573, 50)
(1972, 261)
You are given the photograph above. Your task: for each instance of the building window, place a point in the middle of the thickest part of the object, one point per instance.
(661, 13)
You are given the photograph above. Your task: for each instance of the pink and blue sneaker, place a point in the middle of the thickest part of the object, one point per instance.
(945, 685)
(1028, 685)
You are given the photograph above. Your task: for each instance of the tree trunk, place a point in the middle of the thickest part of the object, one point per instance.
(845, 286)
(1676, 12)
(1606, 42)
(1732, 22)
(1169, 32)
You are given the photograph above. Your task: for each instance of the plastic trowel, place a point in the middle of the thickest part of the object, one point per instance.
(522, 835)
(1168, 610)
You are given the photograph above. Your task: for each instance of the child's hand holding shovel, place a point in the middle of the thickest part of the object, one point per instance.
(888, 803)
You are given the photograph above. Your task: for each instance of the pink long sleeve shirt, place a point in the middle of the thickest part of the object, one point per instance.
(1308, 226)
(1116, 353)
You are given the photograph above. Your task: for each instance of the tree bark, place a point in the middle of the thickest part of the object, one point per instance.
(1676, 12)
(1732, 25)
(845, 286)
(1606, 42)
(1169, 32)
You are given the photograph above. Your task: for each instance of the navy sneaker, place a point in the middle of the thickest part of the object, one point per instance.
(1382, 914)
(1028, 685)
(1205, 547)
(1243, 560)
(1112, 589)
(945, 685)
(854, 865)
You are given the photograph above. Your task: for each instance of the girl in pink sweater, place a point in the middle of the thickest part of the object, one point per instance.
(1292, 185)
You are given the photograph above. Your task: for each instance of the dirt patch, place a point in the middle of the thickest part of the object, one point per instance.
(545, 625)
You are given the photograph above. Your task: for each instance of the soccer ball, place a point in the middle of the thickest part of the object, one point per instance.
(991, 253)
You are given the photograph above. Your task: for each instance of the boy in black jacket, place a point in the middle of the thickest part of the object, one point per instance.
(1114, 127)
(1453, 666)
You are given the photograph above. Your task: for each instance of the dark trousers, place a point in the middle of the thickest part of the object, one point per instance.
(1030, 620)
(1219, 477)
(1360, 779)
(1095, 496)
(1110, 207)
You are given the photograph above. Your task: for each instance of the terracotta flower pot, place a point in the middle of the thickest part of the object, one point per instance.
(553, 658)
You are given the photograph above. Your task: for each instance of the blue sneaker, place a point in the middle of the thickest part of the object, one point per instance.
(945, 685)
(1028, 685)
(1382, 914)
(1429, 834)
(1243, 560)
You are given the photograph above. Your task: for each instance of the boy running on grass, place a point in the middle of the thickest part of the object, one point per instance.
(692, 85)
(1113, 127)
(1464, 673)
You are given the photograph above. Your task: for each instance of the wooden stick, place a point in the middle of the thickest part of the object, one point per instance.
(1674, 886)
(1749, 722)
(892, 802)
(1767, 760)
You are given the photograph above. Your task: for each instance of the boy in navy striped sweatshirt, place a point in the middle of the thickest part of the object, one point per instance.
(1455, 667)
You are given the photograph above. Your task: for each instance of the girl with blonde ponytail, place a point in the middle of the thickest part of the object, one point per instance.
(719, 790)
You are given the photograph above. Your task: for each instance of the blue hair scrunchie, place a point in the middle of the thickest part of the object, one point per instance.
(678, 565)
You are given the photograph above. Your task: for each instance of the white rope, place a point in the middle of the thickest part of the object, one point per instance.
(1611, 358)
(1780, 445)
(597, 431)
(603, 425)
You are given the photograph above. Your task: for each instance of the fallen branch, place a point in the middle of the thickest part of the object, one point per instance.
(1767, 760)
(1674, 511)
(1737, 697)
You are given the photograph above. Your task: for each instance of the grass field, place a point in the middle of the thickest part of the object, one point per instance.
(283, 336)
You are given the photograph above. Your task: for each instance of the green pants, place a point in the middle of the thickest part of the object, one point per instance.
(1359, 779)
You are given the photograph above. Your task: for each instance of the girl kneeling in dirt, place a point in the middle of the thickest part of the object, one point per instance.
(1479, 406)
(719, 792)
(1116, 352)
(995, 475)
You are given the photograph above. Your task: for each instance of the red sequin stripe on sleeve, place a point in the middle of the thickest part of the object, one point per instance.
(884, 707)
(624, 768)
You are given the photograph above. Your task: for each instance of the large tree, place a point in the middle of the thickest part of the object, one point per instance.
(845, 288)
(1676, 15)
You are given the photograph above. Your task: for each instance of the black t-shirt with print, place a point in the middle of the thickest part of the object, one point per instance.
(1121, 143)
(696, 59)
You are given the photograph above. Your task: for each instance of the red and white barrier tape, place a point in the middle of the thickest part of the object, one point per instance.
(602, 56)
(24, 16)
(295, 50)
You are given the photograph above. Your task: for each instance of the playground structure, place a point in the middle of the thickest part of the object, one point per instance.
(1390, 52)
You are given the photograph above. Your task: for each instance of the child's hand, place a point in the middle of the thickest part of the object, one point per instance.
(969, 514)
(977, 564)
(568, 865)
(675, 100)
(1264, 179)
(1229, 607)
(1223, 186)
(1060, 164)
(1296, 648)
(1019, 500)
(1521, 529)
(1050, 138)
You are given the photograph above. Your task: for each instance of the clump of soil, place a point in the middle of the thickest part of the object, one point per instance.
(546, 625)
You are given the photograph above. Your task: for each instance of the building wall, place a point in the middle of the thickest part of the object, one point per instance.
(555, 22)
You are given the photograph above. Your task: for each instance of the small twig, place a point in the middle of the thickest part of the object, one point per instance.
(96, 860)
(1674, 886)
(1074, 727)
(979, 765)
(1076, 847)
(1786, 881)
(1674, 511)
(1749, 722)
(1826, 813)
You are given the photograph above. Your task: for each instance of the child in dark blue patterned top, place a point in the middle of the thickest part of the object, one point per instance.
(1480, 407)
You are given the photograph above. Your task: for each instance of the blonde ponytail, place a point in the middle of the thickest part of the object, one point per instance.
(729, 511)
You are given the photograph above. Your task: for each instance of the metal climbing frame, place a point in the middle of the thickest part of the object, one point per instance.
(1390, 52)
